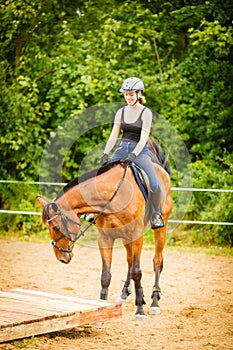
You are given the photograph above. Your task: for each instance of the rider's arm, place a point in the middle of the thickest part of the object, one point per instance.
(145, 132)
(114, 134)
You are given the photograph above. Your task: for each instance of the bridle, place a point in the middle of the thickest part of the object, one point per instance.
(65, 221)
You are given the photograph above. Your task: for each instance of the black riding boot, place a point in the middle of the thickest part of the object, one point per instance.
(156, 219)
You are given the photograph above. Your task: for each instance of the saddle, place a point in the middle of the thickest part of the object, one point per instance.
(140, 176)
(141, 179)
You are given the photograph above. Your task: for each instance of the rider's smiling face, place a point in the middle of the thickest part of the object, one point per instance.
(130, 97)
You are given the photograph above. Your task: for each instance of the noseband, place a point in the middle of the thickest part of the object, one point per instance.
(65, 220)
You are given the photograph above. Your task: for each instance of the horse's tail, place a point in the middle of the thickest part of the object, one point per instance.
(158, 156)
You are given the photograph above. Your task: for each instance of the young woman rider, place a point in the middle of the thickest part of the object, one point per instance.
(134, 120)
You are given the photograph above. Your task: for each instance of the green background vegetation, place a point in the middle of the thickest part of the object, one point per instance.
(58, 58)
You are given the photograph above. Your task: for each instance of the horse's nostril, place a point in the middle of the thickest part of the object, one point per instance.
(64, 261)
(67, 259)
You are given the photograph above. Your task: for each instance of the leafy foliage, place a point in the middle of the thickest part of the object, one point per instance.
(60, 57)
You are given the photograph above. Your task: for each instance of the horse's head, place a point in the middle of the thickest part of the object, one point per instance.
(63, 226)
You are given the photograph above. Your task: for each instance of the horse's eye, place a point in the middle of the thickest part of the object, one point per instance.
(56, 228)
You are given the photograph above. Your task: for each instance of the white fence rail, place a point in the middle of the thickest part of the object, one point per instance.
(17, 212)
(64, 183)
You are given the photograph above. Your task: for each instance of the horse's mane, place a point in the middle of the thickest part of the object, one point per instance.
(157, 157)
(89, 175)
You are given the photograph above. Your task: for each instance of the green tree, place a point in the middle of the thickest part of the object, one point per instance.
(59, 57)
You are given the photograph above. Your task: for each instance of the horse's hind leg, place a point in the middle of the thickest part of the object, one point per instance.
(160, 239)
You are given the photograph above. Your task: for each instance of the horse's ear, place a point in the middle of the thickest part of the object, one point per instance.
(54, 206)
(42, 201)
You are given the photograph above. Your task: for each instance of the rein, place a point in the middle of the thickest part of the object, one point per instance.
(65, 219)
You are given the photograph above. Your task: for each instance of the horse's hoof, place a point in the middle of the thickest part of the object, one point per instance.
(140, 318)
(154, 310)
(121, 301)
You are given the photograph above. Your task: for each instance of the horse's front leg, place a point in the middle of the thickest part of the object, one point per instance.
(127, 289)
(106, 255)
(160, 239)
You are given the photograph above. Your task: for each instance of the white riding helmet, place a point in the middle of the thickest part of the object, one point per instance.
(132, 84)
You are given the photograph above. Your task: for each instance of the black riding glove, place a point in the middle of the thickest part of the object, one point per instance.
(104, 159)
(130, 159)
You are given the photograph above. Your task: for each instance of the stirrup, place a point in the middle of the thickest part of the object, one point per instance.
(157, 220)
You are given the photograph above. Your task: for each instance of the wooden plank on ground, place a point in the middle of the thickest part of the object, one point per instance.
(24, 313)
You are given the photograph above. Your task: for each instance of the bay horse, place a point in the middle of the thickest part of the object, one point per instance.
(121, 211)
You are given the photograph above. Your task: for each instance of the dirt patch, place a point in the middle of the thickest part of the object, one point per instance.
(196, 304)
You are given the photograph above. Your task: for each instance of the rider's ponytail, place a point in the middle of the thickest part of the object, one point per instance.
(142, 100)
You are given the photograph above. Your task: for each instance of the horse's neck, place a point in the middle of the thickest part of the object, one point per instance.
(89, 196)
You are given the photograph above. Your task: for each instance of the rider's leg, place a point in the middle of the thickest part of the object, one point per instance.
(155, 197)
(156, 218)
(143, 160)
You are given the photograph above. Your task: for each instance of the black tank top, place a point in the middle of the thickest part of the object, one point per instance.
(131, 131)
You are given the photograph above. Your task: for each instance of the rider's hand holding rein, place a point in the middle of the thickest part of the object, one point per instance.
(104, 159)
(130, 159)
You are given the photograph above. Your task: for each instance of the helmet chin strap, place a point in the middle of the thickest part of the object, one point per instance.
(136, 99)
